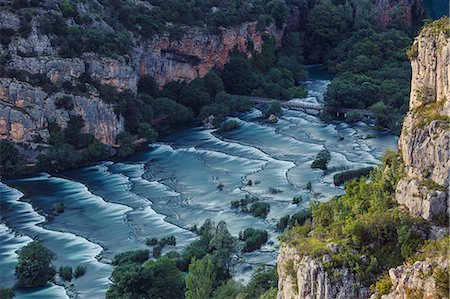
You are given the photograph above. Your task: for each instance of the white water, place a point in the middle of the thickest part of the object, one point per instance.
(114, 207)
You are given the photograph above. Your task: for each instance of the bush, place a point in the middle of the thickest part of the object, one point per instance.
(296, 200)
(64, 102)
(157, 251)
(384, 285)
(283, 222)
(151, 241)
(274, 108)
(322, 159)
(59, 207)
(260, 209)
(254, 239)
(229, 125)
(79, 271)
(66, 273)
(6, 293)
(342, 177)
(299, 218)
(130, 257)
(37, 257)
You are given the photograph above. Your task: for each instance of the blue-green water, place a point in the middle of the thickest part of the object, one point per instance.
(113, 207)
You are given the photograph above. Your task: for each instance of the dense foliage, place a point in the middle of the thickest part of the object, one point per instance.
(342, 177)
(365, 221)
(34, 267)
(253, 239)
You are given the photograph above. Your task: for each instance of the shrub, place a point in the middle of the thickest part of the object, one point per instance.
(229, 125)
(157, 251)
(296, 200)
(59, 207)
(6, 293)
(300, 217)
(260, 209)
(151, 241)
(274, 108)
(79, 271)
(283, 222)
(384, 285)
(442, 280)
(130, 257)
(345, 176)
(168, 241)
(37, 257)
(64, 102)
(254, 239)
(66, 273)
(322, 159)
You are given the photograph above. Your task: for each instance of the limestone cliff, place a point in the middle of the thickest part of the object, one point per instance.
(306, 278)
(27, 109)
(195, 53)
(425, 139)
(424, 190)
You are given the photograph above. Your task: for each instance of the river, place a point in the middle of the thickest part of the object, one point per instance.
(114, 207)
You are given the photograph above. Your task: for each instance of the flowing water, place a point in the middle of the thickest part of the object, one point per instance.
(114, 207)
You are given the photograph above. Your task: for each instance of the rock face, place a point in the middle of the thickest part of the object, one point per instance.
(425, 139)
(26, 110)
(418, 280)
(195, 53)
(306, 278)
(411, 11)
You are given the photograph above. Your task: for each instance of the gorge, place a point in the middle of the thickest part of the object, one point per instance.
(126, 126)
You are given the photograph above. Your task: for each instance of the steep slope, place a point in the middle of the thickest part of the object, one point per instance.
(336, 254)
(425, 139)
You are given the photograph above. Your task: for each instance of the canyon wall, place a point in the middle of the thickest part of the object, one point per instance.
(425, 147)
(197, 52)
(425, 139)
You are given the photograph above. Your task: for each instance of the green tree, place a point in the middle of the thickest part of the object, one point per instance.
(34, 267)
(200, 279)
(9, 156)
(146, 131)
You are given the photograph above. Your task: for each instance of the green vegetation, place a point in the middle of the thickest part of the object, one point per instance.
(34, 267)
(243, 202)
(365, 221)
(430, 111)
(253, 239)
(136, 277)
(384, 285)
(79, 271)
(431, 185)
(438, 26)
(10, 157)
(153, 279)
(6, 293)
(342, 177)
(259, 209)
(200, 279)
(264, 279)
(66, 273)
(59, 208)
(322, 159)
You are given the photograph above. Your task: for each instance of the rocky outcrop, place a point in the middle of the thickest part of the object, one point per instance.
(306, 278)
(426, 278)
(425, 139)
(26, 110)
(197, 52)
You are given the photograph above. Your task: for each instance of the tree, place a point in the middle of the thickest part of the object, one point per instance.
(201, 278)
(9, 156)
(146, 131)
(34, 267)
(238, 76)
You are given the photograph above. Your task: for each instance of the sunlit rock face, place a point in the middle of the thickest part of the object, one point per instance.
(425, 139)
(196, 53)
